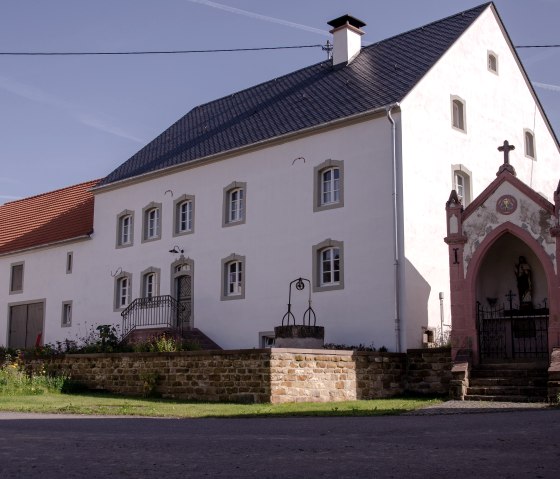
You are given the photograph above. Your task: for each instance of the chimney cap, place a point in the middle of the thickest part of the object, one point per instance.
(346, 19)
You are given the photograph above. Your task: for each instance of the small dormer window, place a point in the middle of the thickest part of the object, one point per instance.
(492, 62)
(529, 138)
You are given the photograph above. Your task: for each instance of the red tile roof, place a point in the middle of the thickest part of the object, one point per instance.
(47, 218)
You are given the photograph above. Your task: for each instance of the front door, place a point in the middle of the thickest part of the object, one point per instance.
(183, 285)
(26, 325)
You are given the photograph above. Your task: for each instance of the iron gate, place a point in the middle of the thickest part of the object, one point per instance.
(512, 334)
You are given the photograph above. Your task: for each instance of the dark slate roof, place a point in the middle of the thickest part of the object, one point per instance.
(383, 73)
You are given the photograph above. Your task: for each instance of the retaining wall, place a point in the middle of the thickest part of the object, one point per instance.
(261, 375)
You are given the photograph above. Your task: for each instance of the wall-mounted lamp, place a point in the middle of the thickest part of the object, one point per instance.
(176, 250)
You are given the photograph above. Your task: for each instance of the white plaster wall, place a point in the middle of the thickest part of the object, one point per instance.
(45, 278)
(276, 239)
(498, 107)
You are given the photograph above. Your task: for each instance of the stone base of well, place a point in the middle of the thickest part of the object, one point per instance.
(299, 336)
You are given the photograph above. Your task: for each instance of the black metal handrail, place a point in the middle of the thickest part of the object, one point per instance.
(161, 311)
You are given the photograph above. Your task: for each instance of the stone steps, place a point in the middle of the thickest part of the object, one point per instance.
(193, 335)
(510, 382)
(514, 398)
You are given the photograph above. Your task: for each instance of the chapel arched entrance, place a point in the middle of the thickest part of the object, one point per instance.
(512, 304)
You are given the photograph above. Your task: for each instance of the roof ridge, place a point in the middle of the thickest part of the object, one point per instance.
(482, 7)
(27, 198)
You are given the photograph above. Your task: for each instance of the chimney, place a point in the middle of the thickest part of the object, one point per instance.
(346, 38)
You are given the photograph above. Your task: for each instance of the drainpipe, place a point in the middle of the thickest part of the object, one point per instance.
(396, 256)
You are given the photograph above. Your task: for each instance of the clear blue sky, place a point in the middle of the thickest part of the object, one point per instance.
(64, 120)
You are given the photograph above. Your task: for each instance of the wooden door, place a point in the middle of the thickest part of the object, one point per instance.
(183, 285)
(26, 325)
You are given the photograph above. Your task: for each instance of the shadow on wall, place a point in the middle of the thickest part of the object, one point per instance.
(415, 297)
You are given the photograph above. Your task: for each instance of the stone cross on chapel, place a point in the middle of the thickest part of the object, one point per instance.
(506, 148)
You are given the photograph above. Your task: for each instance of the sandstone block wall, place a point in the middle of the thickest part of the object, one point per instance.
(229, 376)
(429, 371)
(266, 375)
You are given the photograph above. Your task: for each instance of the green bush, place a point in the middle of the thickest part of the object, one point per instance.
(164, 343)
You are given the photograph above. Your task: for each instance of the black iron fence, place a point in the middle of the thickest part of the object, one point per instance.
(512, 334)
(157, 311)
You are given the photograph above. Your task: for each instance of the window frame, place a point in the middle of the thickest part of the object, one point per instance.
(235, 186)
(461, 116)
(318, 173)
(117, 304)
(317, 266)
(494, 55)
(66, 320)
(153, 273)
(226, 262)
(69, 262)
(466, 174)
(529, 133)
(183, 199)
(146, 211)
(13, 290)
(119, 238)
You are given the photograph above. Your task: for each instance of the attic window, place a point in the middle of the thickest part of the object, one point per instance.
(529, 139)
(458, 113)
(492, 62)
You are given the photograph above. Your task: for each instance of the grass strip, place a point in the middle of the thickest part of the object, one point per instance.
(102, 404)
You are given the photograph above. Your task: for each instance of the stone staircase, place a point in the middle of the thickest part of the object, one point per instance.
(194, 335)
(508, 382)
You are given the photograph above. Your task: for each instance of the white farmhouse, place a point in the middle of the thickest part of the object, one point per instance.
(337, 173)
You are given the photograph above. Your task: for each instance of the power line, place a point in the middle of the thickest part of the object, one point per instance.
(180, 52)
(156, 52)
(537, 46)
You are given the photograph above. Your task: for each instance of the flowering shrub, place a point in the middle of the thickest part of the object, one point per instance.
(16, 380)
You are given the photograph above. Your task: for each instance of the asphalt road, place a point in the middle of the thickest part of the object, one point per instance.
(522, 444)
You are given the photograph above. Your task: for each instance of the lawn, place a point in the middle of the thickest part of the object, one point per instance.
(101, 404)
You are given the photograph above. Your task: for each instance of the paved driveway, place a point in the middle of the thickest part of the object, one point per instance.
(522, 444)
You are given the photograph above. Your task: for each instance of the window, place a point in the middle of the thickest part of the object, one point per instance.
(69, 262)
(462, 184)
(492, 62)
(66, 314)
(184, 215)
(233, 277)
(151, 222)
(458, 113)
(122, 290)
(125, 229)
(16, 278)
(267, 339)
(150, 283)
(529, 144)
(235, 201)
(328, 265)
(328, 185)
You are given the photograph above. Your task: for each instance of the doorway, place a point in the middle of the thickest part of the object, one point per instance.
(26, 325)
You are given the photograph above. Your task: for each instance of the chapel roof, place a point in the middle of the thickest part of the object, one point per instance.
(47, 218)
(383, 73)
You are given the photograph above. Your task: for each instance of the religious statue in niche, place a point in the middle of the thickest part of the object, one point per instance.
(524, 277)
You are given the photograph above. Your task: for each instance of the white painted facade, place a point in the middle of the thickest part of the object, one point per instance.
(281, 226)
(46, 280)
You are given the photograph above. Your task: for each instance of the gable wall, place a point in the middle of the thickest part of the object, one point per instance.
(498, 107)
